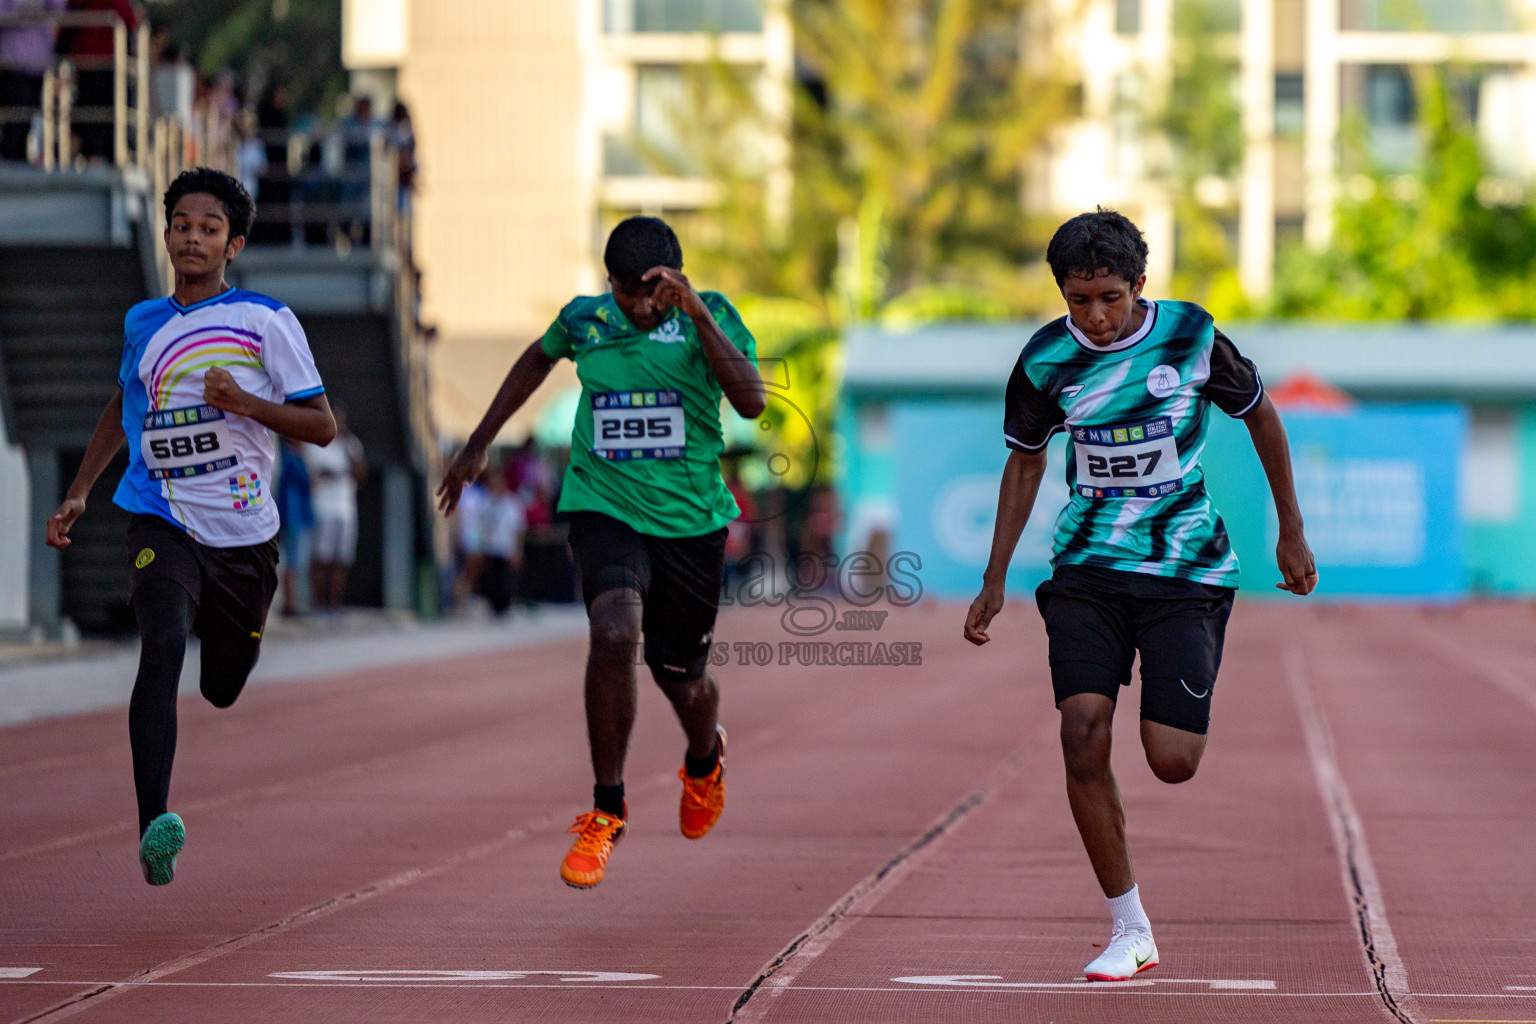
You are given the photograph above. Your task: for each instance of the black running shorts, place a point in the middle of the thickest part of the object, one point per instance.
(1098, 619)
(678, 579)
(231, 587)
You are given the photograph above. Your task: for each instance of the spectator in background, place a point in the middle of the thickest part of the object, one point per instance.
(403, 137)
(91, 50)
(502, 525)
(739, 532)
(250, 154)
(175, 80)
(296, 511)
(334, 473)
(470, 543)
(26, 50)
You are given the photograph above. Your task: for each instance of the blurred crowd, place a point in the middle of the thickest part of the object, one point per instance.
(316, 492)
(311, 178)
(508, 547)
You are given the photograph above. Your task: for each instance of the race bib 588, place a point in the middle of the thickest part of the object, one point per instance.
(186, 442)
(638, 425)
(1130, 460)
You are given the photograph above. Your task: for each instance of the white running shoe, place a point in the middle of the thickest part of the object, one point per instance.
(1128, 954)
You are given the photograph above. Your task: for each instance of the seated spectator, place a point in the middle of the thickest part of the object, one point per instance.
(26, 50)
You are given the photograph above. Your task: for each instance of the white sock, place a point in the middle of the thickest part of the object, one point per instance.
(1127, 911)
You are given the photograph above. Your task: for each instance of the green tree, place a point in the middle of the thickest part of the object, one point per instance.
(1202, 124)
(1446, 241)
(911, 124)
(296, 42)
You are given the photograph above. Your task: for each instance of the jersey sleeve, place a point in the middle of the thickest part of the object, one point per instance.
(286, 357)
(125, 368)
(731, 324)
(1234, 384)
(556, 341)
(1029, 417)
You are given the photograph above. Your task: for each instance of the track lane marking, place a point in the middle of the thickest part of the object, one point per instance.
(1361, 884)
(1082, 987)
(102, 991)
(778, 974)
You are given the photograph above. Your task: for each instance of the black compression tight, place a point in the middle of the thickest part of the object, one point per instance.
(166, 615)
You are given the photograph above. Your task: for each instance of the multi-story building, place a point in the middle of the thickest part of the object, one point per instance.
(1307, 70)
(539, 124)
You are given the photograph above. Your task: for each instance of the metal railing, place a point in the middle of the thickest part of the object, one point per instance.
(128, 113)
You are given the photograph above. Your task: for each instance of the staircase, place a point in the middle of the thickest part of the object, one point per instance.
(61, 343)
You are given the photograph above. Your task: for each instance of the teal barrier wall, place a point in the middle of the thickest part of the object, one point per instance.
(1379, 488)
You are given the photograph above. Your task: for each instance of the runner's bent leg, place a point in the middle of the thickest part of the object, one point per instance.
(1173, 754)
(614, 629)
(227, 660)
(165, 612)
(697, 703)
(1091, 789)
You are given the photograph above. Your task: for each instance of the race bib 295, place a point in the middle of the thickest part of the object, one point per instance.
(638, 425)
(1128, 460)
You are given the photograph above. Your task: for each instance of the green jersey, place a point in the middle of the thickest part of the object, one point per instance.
(647, 441)
(1136, 413)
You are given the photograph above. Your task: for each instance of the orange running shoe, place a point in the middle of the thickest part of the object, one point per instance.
(596, 833)
(703, 799)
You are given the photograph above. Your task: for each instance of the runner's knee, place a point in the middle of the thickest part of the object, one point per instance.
(614, 624)
(1085, 734)
(226, 665)
(1173, 753)
(1173, 766)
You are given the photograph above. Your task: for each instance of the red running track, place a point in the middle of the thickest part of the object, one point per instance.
(383, 846)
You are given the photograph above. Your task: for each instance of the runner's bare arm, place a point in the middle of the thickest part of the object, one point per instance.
(1015, 499)
(738, 378)
(1297, 567)
(306, 419)
(522, 380)
(105, 441)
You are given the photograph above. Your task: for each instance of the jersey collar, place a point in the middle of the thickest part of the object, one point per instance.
(212, 300)
(1124, 343)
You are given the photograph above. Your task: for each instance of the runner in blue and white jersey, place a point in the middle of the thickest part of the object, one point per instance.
(205, 375)
(1142, 562)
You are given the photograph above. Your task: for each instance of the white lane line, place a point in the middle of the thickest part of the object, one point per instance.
(1377, 943)
(1079, 988)
(416, 976)
(779, 973)
(18, 972)
(995, 981)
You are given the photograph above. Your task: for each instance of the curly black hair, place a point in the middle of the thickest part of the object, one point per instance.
(239, 207)
(637, 245)
(1101, 240)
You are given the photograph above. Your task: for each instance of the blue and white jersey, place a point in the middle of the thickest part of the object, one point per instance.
(205, 470)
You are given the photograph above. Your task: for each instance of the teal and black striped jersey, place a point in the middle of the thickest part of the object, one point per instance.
(1136, 413)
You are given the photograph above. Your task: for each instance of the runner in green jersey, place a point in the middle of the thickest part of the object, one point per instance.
(647, 504)
(1142, 562)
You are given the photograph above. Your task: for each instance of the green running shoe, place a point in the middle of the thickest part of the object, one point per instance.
(158, 848)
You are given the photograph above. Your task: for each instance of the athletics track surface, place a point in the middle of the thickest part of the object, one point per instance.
(896, 846)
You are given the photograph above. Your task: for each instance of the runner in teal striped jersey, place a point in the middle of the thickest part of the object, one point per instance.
(1142, 562)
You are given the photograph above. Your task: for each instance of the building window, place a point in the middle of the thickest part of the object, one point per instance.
(623, 16)
(1128, 17)
(1290, 106)
(1429, 15)
(1391, 115)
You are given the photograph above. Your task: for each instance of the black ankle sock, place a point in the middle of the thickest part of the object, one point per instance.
(609, 799)
(698, 769)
